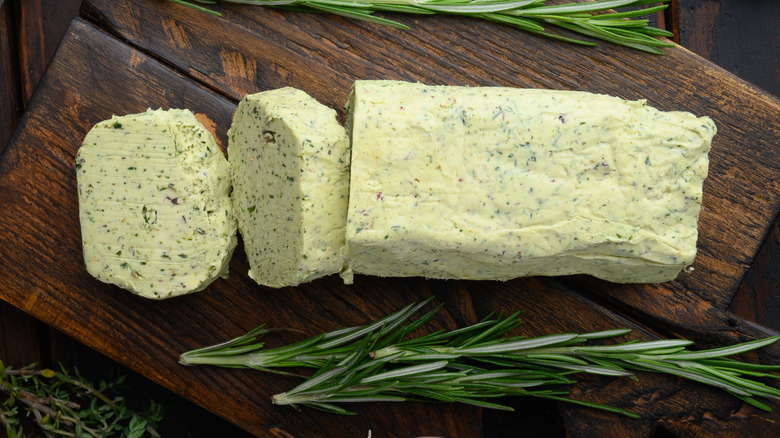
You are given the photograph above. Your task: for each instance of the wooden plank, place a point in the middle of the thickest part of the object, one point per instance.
(10, 106)
(41, 26)
(19, 340)
(672, 20)
(250, 49)
(743, 37)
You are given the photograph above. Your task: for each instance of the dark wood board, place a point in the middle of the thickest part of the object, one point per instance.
(323, 59)
(85, 82)
(95, 75)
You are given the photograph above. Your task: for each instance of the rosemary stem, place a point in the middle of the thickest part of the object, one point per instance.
(285, 399)
(242, 360)
(263, 359)
(381, 362)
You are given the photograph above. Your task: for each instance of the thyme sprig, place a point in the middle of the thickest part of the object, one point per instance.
(532, 16)
(381, 361)
(61, 404)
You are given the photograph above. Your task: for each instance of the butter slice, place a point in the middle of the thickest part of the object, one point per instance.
(497, 183)
(289, 160)
(154, 204)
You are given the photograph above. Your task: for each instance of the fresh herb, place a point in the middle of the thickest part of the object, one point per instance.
(247, 352)
(528, 15)
(65, 405)
(382, 362)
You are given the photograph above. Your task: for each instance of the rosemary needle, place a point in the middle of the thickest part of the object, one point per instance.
(380, 361)
(586, 18)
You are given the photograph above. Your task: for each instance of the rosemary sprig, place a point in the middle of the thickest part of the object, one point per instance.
(565, 352)
(587, 18)
(382, 362)
(247, 351)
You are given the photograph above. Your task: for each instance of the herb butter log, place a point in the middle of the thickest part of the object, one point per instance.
(497, 183)
(289, 159)
(154, 204)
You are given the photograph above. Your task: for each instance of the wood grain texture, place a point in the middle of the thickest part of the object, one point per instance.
(10, 97)
(41, 24)
(743, 37)
(759, 295)
(94, 76)
(19, 340)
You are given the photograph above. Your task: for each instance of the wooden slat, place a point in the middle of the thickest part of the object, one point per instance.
(759, 295)
(41, 26)
(672, 20)
(743, 37)
(10, 105)
(19, 340)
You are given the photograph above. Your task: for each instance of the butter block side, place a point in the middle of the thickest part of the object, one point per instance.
(289, 160)
(497, 183)
(154, 206)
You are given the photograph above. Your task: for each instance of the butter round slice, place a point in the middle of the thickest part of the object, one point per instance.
(154, 204)
(289, 160)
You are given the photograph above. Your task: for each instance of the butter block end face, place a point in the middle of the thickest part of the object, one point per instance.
(289, 160)
(499, 183)
(154, 206)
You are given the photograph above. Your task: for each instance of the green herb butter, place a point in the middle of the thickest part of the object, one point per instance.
(289, 160)
(154, 204)
(497, 183)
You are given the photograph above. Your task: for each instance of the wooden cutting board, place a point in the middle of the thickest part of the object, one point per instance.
(122, 57)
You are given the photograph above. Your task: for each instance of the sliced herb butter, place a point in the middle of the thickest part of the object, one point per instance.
(497, 183)
(289, 160)
(154, 204)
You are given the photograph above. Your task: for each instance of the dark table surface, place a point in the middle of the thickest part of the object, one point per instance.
(741, 37)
